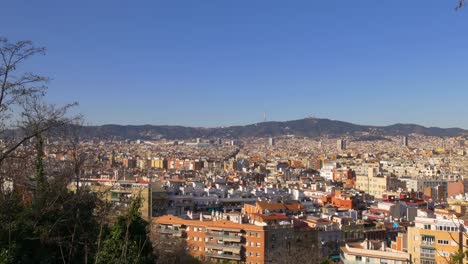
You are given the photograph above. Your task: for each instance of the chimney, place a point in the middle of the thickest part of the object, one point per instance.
(201, 216)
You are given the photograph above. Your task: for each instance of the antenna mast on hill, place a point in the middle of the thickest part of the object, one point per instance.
(264, 116)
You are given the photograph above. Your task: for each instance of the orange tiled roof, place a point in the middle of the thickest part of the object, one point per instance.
(265, 217)
(170, 219)
(270, 206)
(294, 206)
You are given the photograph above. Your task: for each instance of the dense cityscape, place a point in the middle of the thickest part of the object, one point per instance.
(250, 200)
(233, 132)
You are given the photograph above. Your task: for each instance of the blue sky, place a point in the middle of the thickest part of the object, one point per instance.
(224, 62)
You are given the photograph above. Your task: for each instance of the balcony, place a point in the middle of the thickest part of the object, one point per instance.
(427, 243)
(174, 232)
(225, 237)
(427, 255)
(225, 247)
(222, 255)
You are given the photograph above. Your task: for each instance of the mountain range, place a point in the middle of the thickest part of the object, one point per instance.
(307, 127)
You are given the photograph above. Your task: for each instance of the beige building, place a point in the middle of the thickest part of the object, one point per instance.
(372, 252)
(121, 193)
(372, 183)
(434, 237)
(159, 163)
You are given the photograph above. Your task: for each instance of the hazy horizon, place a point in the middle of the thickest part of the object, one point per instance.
(220, 126)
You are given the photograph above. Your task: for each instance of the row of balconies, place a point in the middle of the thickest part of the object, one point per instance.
(223, 255)
(225, 237)
(225, 247)
(169, 231)
(427, 255)
(427, 243)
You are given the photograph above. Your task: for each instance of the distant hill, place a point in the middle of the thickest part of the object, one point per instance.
(308, 127)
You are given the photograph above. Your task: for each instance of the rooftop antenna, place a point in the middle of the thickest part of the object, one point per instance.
(264, 116)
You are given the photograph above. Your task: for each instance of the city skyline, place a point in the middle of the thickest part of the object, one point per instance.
(234, 132)
(215, 64)
(268, 121)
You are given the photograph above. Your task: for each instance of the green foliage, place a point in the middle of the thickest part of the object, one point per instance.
(56, 230)
(128, 240)
(41, 220)
(40, 175)
(457, 257)
(64, 228)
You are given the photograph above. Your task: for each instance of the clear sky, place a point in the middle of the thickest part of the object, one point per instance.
(225, 62)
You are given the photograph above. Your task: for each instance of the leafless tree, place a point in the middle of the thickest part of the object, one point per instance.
(25, 121)
(24, 116)
(460, 4)
(15, 87)
(301, 253)
(171, 250)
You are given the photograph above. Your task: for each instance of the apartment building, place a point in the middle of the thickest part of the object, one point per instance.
(225, 240)
(372, 252)
(159, 163)
(434, 237)
(121, 192)
(372, 183)
(420, 184)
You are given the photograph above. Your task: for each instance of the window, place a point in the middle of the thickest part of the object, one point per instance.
(428, 240)
(358, 258)
(258, 254)
(252, 244)
(427, 253)
(442, 242)
(258, 244)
